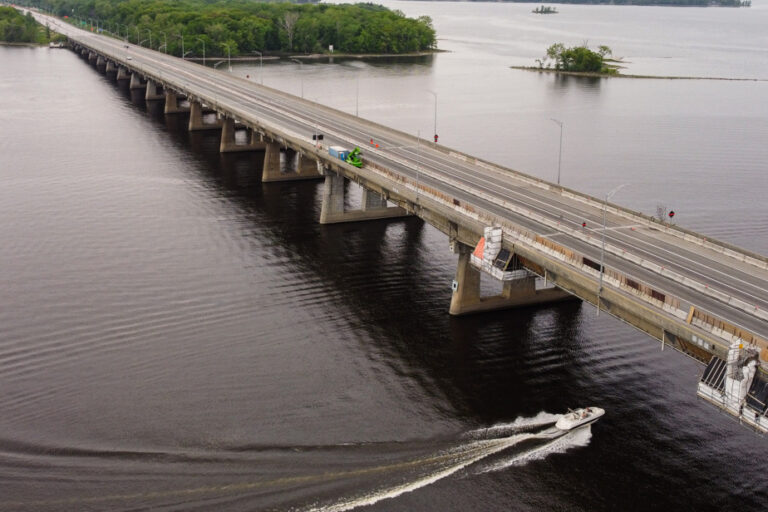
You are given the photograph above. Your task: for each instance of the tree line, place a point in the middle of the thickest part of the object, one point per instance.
(249, 26)
(18, 28)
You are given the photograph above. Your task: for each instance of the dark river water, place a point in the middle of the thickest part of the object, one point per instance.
(174, 335)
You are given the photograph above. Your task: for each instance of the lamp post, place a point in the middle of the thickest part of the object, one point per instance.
(150, 38)
(560, 153)
(229, 56)
(301, 74)
(435, 125)
(217, 64)
(602, 247)
(203, 41)
(418, 161)
(165, 42)
(181, 36)
(261, 66)
(357, 96)
(138, 35)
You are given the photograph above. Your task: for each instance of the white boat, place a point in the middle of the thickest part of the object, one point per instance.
(579, 418)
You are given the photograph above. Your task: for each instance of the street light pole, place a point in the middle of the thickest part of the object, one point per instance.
(602, 246)
(418, 161)
(203, 41)
(357, 96)
(181, 36)
(560, 153)
(435, 125)
(261, 66)
(301, 69)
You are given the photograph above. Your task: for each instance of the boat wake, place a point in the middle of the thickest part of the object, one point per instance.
(302, 478)
(492, 449)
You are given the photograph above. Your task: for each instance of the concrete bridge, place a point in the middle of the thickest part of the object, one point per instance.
(688, 291)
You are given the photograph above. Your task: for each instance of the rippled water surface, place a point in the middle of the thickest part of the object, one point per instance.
(176, 335)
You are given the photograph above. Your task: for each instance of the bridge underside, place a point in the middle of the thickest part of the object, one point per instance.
(389, 195)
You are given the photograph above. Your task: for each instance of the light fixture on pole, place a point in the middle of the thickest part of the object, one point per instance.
(602, 246)
(560, 153)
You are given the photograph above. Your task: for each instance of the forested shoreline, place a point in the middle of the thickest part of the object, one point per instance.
(18, 28)
(242, 27)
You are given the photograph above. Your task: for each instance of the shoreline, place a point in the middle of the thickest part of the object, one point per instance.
(645, 77)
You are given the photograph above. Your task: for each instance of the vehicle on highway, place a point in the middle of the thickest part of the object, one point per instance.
(351, 157)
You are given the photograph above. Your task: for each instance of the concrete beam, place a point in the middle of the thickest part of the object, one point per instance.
(374, 205)
(294, 166)
(196, 119)
(466, 296)
(229, 143)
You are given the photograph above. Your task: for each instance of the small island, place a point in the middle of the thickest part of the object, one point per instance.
(579, 59)
(545, 9)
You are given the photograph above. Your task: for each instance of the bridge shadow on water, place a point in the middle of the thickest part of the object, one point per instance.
(393, 277)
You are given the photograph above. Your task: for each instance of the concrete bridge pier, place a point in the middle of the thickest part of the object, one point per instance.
(122, 74)
(467, 299)
(154, 92)
(197, 120)
(136, 82)
(373, 206)
(172, 103)
(92, 57)
(101, 63)
(285, 164)
(229, 143)
(111, 69)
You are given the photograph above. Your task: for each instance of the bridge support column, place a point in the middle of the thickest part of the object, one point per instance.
(292, 166)
(136, 82)
(101, 63)
(172, 103)
(229, 143)
(466, 296)
(122, 74)
(111, 68)
(91, 57)
(196, 119)
(152, 94)
(373, 205)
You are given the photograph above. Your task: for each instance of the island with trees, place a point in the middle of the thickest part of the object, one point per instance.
(241, 27)
(579, 59)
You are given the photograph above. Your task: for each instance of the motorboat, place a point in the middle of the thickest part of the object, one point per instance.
(579, 417)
